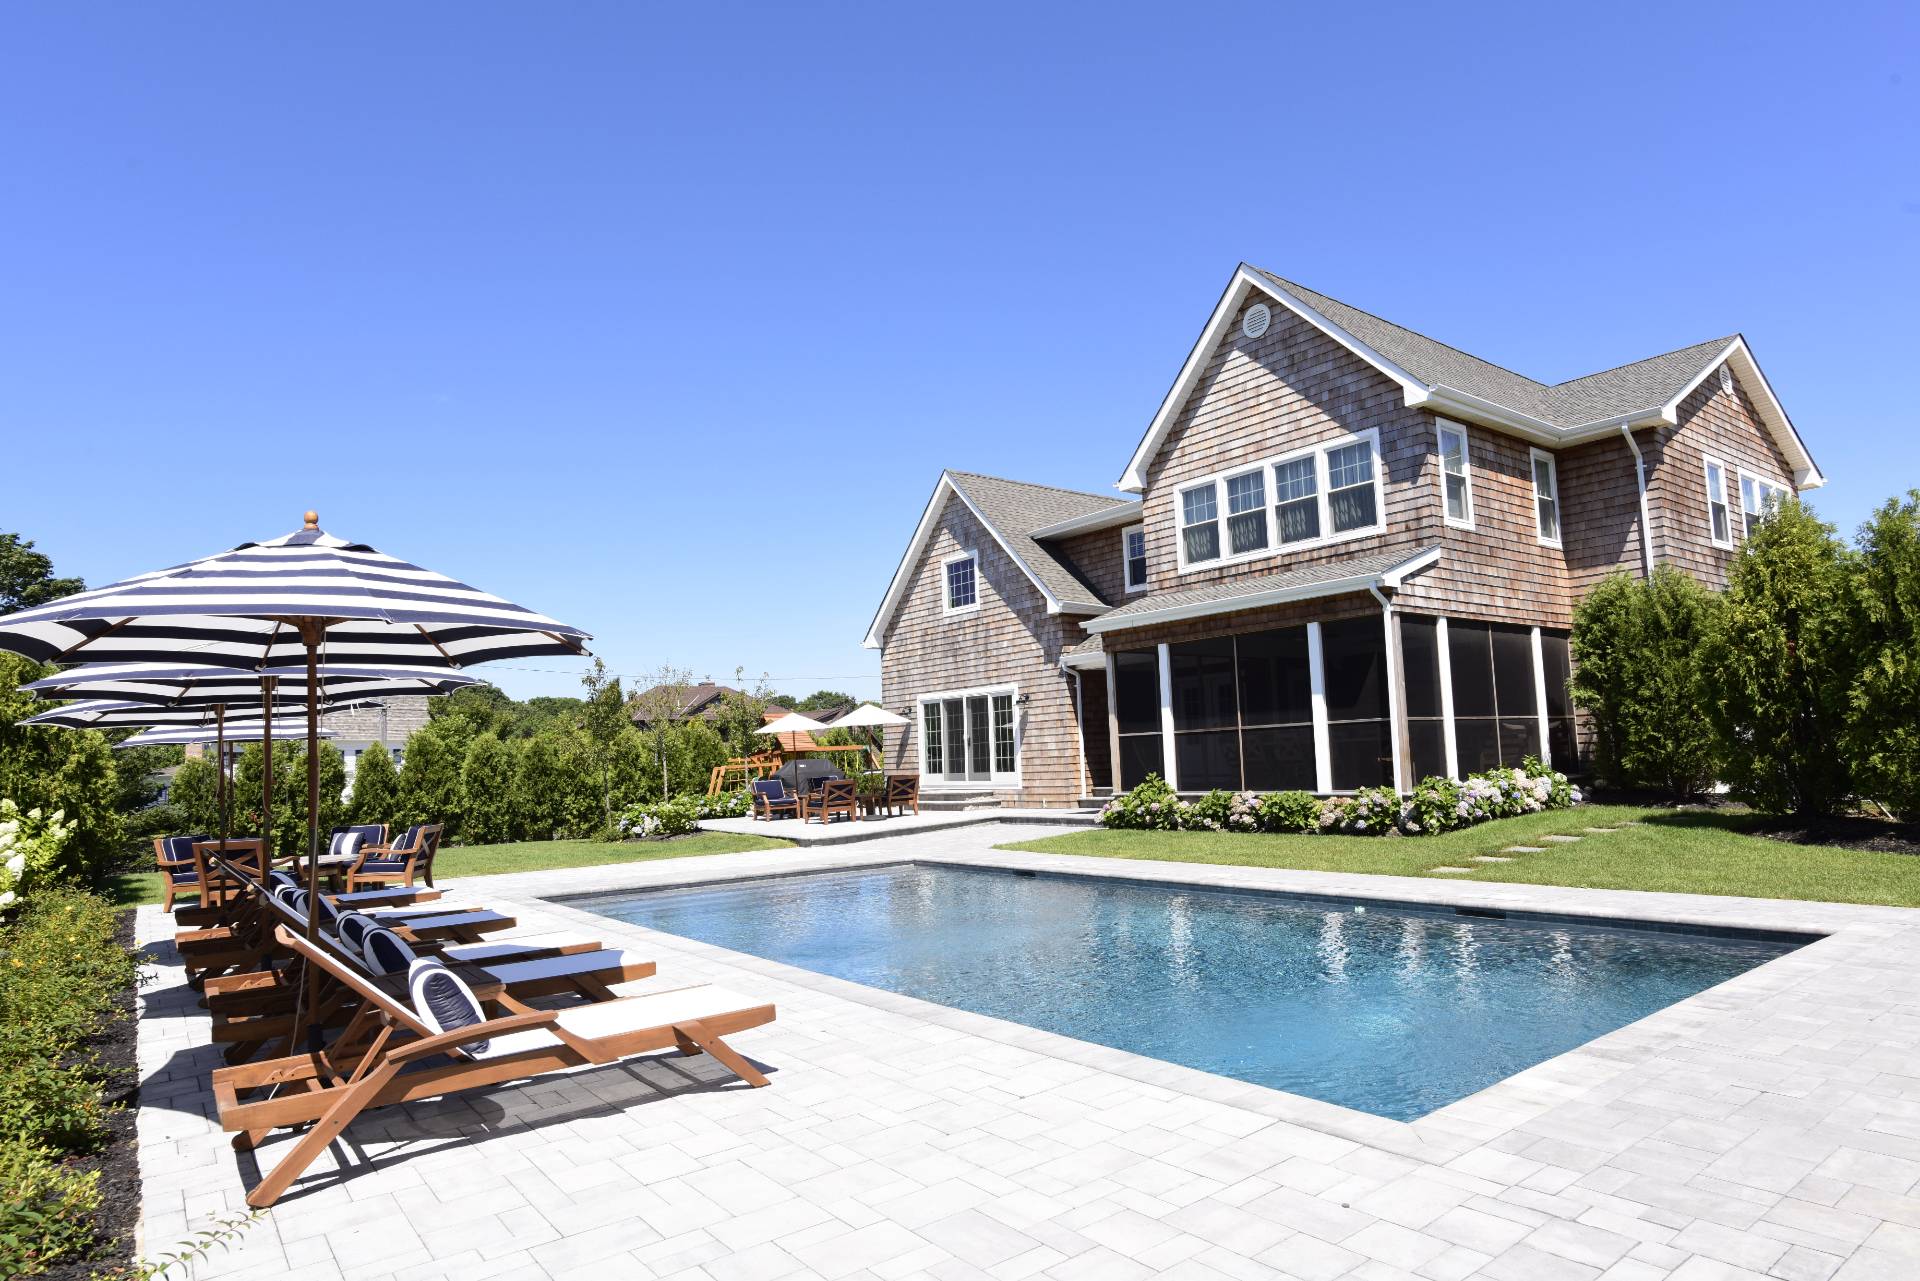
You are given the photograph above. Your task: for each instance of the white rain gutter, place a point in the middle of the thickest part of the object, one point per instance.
(1640, 480)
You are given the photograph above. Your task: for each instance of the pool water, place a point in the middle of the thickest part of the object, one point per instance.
(1394, 1012)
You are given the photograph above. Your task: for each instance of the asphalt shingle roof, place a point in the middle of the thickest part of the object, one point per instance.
(1228, 591)
(1643, 384)
(1014, 509)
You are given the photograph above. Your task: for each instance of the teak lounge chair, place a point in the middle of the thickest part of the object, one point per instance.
(407, 859)
(445, 1043)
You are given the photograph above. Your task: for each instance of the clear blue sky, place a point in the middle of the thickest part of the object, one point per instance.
(664, 320)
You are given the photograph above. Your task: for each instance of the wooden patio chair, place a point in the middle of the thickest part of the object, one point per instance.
(833, 796)
(903, 790)
(404, 861)
(443, 1042)
(179, 874)
(771, 798)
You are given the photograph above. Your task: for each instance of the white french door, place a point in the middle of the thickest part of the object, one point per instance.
(969, 738)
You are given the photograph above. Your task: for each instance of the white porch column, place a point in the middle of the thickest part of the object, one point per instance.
(1080, 729)
(1170, 769)
(1394, 724)
(1113, 732)
(1317, 682)
(1446, 697)
(1540, 697)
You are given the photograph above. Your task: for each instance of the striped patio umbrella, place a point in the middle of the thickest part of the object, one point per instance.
(282, 602)
(239, 732)
(220, 688)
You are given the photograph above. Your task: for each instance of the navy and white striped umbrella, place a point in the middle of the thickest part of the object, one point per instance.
(120, 714)
(200, 685)
(256, 607)
(246, 732)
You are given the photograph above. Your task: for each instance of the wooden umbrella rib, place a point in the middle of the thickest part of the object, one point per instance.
(86, 641)
(451, 661)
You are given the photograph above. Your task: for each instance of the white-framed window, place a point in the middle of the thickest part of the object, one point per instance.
(1456, 478)
(960, 583)
(970, 737)
(1133, 557)
(1546, 497)
(1758, 499)
(1325, 494)
(1719, 515)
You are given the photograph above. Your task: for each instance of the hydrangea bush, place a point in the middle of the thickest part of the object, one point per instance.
(30, 846)
(1437, 805)
(651, 820)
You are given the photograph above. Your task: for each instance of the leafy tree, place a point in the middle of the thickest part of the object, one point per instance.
(26, 576)
(376, 787)
(606, 718)
(553, 796)
(59, 769)
(289, 833)
(1780, 671)
(138, 769)
(430, 776)
(1883, 733)
(487, 791)
(822, 700)
(1636, 645)
(194, 797)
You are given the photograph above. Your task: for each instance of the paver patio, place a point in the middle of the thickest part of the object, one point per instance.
(1769, 1127)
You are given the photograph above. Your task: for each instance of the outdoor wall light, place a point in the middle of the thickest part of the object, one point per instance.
(1022, 700)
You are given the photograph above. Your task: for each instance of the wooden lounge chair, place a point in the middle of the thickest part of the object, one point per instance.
(444, 1042)
(407, 859)
(173, 855)
(771, 799)
(833, 796)
(903, 792)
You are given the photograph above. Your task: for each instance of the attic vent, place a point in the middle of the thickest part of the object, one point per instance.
(1726, 379)
(1255, 322)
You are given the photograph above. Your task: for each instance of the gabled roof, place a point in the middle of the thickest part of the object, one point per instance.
(1448, 381)
(1358, 573)
(1009, 510)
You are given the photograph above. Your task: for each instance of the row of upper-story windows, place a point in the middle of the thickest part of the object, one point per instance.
(1308, 498)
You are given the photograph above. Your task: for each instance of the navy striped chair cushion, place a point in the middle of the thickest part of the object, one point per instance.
(386, 952)
(443, 1002)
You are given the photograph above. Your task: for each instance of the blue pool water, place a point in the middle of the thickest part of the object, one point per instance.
(1389, 1011)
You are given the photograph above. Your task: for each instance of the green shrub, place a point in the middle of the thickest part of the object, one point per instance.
(1883, 731)
(486, 787)
(1289, 812)
(1210, 813)
(1434, 807)
(1371, 811)
(676, 817)
(376, 787)
(47, 1102)
(47, 1210)
(1637, 647)
(1779, 671)
(1151, 806)
(734, 804)
(194, 798)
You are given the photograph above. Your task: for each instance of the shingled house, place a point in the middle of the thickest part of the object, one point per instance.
(1352, 561)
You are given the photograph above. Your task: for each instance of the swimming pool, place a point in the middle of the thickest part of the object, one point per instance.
(1389, 1010)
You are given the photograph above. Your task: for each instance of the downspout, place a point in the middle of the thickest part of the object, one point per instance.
(1393, 686)
(1640, 481)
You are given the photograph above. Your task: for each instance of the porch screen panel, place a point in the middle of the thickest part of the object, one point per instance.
(1136, 707)
(1557, 668)
(1495, 714)
(1359, 732)
(1276, 711)
(1206, 740)
(1426, 728)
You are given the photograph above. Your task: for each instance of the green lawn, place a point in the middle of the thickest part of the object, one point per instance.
(520, 856)
(1690, 852)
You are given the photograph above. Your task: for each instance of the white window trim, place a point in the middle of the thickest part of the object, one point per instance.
(1786, 492)
(1126, 580)
(996, 779)
(1533, 498)
(1441, 427)
(946, 590)
(1707, 463)
(1275, 548)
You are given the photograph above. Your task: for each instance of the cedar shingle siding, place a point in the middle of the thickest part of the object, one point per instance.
(1294, 387)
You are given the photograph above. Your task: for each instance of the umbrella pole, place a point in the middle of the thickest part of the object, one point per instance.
(266, 783)
(311, 631)
(220, 768)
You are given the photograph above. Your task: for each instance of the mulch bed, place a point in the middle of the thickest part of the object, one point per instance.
(1876, 835)
(118, 1162)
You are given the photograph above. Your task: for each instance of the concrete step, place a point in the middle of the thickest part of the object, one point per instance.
(951, 802)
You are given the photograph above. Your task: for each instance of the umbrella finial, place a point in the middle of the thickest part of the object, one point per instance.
(313, 520)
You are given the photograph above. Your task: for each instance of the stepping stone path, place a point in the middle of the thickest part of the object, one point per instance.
(1450, 871)
(1561, 840)
(1490, 858)
(1525, 849)
(1602, 829)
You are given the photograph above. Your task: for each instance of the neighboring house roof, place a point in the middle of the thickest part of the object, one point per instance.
(699, 700)
(1329, 578)
(1448, 381)
(1010, 511)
